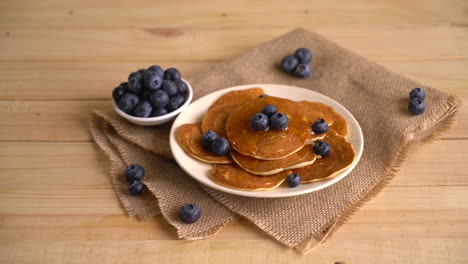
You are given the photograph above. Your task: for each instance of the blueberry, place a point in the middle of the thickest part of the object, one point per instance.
(135, 188)
(207, 138)
(220, 146)
(279, 121)
(135, 85)
(179, 99)
(117, 93)
(303, 55)
(124, 85)
(174, 103)
(269, 110)
(142, 72)
(134, 172)
(289, 63)
(156, 69)
(169, 87)
(128, 102)
(320, 126)
(259, 122)
(263, 95)
(190, 213)
(416, 106)
(159, 99)
(182, 87)
(153, 81)
(143, 109)
(172, 74)
(417, 93)
(135, 74)
(322, 148)
(302, 70)
(158, 112)
(293, 180)
(146, 95)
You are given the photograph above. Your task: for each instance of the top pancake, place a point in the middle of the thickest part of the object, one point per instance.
(238, 97)
(216, 116)
(341, 157)
(315, 110)
(270, 144)
(189, 137)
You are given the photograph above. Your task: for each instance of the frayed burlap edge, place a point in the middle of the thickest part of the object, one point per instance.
(441, 125)
(108, 148)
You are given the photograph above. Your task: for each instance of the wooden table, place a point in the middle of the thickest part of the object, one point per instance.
(60, 59)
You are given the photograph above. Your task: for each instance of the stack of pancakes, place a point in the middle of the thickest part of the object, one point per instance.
(261, 160)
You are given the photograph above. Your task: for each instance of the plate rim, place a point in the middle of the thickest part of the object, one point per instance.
(266, 194)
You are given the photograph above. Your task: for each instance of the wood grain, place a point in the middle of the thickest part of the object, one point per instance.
(194, 44)
(60, 59)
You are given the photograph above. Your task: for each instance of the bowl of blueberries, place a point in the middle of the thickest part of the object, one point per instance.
(152, 96)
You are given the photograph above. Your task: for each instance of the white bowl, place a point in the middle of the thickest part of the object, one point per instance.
(158, 120)
(200, 170)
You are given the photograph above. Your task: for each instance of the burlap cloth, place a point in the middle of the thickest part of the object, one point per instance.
(377, 97)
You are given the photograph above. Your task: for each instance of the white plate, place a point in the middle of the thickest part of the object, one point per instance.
(199, 171)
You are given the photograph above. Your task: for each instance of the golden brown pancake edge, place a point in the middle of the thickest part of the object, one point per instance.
(238, 97)
(302, 158)
(189, 137)
(232, 176)
(342, 155)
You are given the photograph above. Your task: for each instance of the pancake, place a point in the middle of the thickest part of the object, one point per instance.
(238, 97)
(232, 176)
(270, 144)
(315, 110)
(215, 118)
(302, 158)
(189, 137)
(340, 158)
